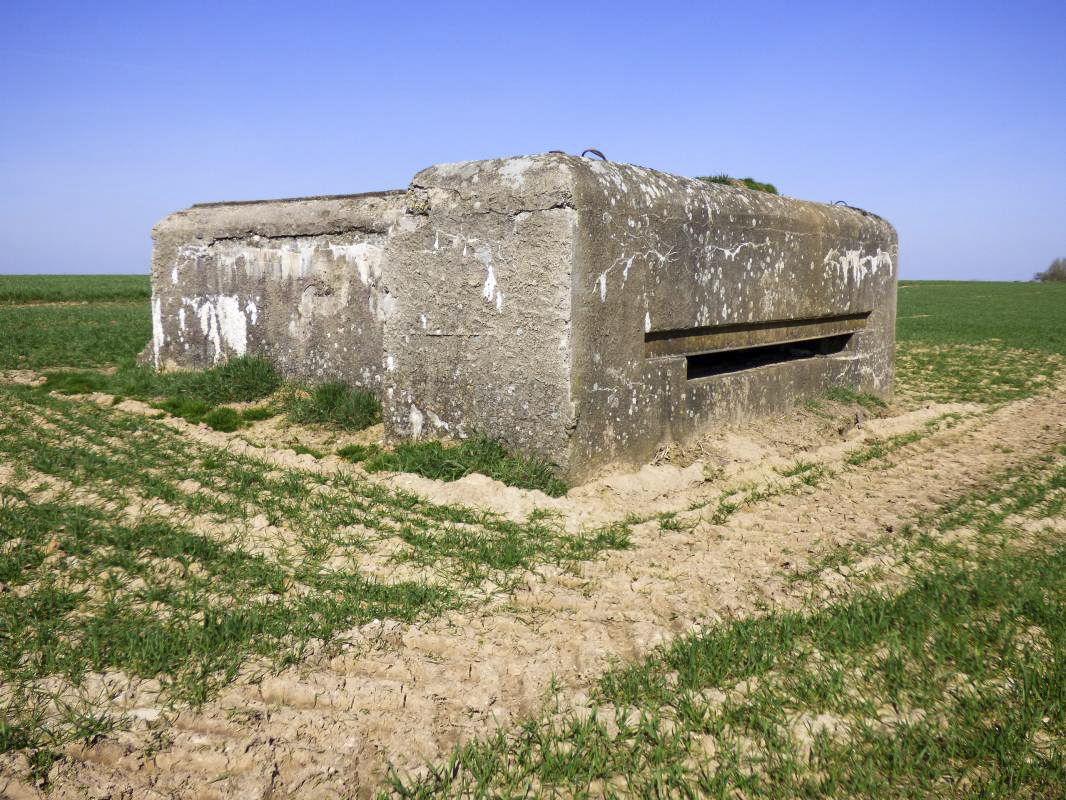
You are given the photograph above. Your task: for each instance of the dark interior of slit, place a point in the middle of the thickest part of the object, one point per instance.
(706, 365)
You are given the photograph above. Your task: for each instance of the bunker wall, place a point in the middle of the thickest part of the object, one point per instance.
(591, 312)
(699, 304)
(297, 281)
(586, 312)
(480, 338)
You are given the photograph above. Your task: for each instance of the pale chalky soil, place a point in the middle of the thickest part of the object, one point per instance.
(409, 693)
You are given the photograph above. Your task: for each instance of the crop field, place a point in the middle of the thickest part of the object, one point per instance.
(65, 320)
(224, 584)
(33, 289)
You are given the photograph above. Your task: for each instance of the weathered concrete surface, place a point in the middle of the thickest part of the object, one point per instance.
(297, 281)
(584, 311)
(556, 302)
(480, 341)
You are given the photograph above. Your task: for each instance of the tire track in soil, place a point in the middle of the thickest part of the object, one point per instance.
(408, 694)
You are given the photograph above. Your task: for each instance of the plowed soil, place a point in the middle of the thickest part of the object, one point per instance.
(403, 695)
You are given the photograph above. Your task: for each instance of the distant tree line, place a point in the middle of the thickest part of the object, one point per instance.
(1056, 272)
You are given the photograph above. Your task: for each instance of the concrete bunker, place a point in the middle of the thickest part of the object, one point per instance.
(583, 311)
(297, 281)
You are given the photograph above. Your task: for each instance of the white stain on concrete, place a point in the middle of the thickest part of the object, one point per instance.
(232, 324)
(222, 323)
(158, 337)
(296, 258)
(366, 258)
(513, 173)
(488, 291)
(417, 420)
(854, 266)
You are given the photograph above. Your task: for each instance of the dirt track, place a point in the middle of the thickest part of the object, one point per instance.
(408, 694)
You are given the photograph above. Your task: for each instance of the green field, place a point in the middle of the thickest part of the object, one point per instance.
(945, 677)
(978, 342)
(1029, 316)
(25, 289)
(94, 335)
(72, 320)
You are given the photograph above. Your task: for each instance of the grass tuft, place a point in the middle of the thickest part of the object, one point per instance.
(358, 452)
(259, 414)
(476, 454)
(223, 419)
(190, 409)
(191, 395)
(239, 380)
(746, 183)
(336, 405)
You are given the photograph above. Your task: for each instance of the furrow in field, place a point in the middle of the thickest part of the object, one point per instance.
(285, 517)
(231, 485)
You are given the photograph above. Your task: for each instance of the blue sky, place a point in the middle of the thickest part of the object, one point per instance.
(948, 119)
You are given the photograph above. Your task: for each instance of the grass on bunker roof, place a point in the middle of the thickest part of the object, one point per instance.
(747, 183)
